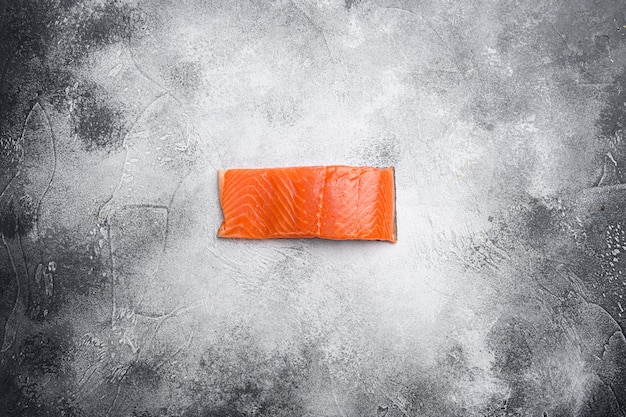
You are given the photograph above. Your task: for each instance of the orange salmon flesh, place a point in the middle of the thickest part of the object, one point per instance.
(328, 202)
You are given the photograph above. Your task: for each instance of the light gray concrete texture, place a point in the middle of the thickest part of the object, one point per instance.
(502, 297)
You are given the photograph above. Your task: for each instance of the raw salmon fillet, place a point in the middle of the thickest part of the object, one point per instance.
(332, 202)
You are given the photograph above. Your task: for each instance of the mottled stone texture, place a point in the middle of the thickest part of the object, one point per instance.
(503, 296)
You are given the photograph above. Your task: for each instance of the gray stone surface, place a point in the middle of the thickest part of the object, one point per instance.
(503, 296)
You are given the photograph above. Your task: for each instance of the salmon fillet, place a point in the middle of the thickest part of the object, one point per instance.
(332, 202)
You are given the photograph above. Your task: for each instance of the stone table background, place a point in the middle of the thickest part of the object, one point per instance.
(502, 297)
